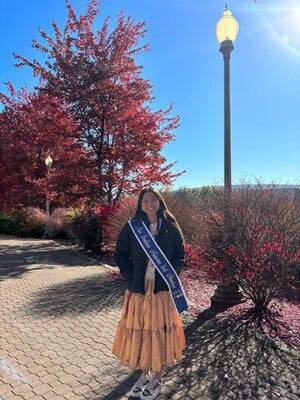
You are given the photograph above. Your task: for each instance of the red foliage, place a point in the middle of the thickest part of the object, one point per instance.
(96, 75)
(105, 213)
(121, 214)
(194, 257)
(32, 127)
(262, 263)
(258, 247)
(280, 321)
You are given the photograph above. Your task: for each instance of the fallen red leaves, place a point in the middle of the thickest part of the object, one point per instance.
(281, 321)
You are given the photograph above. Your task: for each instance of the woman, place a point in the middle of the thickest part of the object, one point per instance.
(150, 334)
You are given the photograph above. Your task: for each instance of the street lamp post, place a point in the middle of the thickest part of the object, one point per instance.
(226, 32)
(48, 162)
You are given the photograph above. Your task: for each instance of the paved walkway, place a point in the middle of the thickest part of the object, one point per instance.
(58, 315)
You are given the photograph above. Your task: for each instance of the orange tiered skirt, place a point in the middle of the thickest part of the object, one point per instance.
(150, 333)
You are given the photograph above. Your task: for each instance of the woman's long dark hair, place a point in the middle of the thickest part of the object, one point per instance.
(163, 211)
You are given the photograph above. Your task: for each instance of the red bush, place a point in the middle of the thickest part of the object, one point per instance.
(263, 264)
(257, 242)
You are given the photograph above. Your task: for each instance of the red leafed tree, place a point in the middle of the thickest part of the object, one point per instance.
(32, 127)
(97, 75)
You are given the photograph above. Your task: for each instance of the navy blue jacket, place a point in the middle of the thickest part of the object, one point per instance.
(132, 260)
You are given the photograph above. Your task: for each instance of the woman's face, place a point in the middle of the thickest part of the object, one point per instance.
(150, 204)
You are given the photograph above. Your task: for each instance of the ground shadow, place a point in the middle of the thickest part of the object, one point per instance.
(16, 260)
(120, 390)
(222, 359)
(75, 297)
(269, 322)
(225, 358)
(292, 295)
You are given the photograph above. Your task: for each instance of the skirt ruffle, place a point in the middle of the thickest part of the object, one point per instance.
(150, 333)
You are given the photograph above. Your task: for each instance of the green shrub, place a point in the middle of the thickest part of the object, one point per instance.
(32, 222)
(193, 197)
(9, 225)
(56, 225)
(19, 224)
(85, 229)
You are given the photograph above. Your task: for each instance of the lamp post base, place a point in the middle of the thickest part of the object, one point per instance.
(228, 294)
(46, 234)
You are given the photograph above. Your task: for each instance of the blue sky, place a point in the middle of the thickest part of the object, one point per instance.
(185, 67)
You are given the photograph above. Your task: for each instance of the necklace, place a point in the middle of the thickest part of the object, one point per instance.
(154, 228)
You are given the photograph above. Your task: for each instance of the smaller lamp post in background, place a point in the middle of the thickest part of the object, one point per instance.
(48, 162)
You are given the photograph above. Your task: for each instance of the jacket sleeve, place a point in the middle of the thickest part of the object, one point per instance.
(123, 253)
(178, 257)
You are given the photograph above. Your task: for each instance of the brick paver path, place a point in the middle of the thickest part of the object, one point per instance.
(58, 314)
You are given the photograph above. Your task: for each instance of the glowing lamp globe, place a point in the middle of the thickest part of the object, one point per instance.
(48, 161)
(227, 27)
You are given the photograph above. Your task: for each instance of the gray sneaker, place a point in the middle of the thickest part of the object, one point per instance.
(137, 389)
(151, 390)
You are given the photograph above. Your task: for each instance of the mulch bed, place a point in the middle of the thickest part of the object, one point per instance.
(281, 321)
